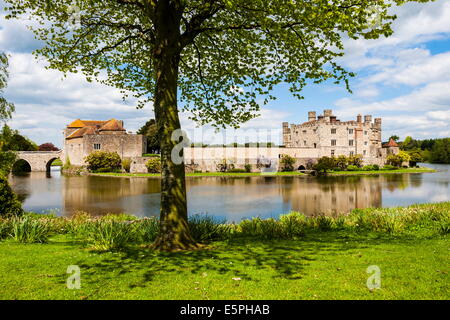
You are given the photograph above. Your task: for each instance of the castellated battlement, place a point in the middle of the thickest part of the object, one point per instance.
(333, 137)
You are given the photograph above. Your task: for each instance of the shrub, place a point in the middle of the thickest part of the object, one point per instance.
(206, 228)
(293, 225)
(389, 167)
(375, 167)
(261, 229)
(368, 168)
(225, 166)
(154, 165)
(5, 228)
(287, 163)
(248, 168)
(355, 160)
(9, 204)
(325, 164)
(102, 161)
(30, 230)
(341, 162)
(126, 164)
(107, 235)
(147, 230)
(352, 168)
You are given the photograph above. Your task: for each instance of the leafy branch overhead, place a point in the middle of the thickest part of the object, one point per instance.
(232, 52)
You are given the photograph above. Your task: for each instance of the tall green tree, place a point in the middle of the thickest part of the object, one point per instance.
(221, 56)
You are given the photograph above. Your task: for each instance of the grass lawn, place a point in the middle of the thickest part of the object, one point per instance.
(408, 170)
(204, 174)
(323, 265)
(57, 163)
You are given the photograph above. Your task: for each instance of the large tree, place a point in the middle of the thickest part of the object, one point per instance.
(222, 56)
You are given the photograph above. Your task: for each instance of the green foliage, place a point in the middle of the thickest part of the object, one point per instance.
(12, 140)
(342, 162)
(441, 151)
(153, 165)
(355, 160)
(371, 168)
(225, 166)
(389, 167)
(7, 160)
(9, 204)
(352, 168)
(150, 131)
(103, 161)
(287, 163)
(227, 33)
(396, 160)
(30, 230)
(67, 164)
(428, 150)
(237, 171)
(6, 108)
(206, 228)
(126, 164)
(248, 168)
(325, 164)
(107, 235)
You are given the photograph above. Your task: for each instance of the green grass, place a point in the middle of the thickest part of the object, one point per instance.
(408, 170)
(320, 266)
(295, 257)
(57, 163)
(203, 174)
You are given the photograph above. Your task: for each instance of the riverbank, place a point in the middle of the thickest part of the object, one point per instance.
(203, 174)
(256, 174)
(327, 259)
(372, 172)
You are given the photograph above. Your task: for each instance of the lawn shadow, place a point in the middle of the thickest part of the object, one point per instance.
(285, 259)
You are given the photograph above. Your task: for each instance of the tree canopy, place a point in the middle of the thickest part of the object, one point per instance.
(232, 53)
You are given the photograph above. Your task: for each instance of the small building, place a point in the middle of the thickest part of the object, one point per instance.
(82, 137)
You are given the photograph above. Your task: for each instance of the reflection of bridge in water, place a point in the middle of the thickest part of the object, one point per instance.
(39, 160)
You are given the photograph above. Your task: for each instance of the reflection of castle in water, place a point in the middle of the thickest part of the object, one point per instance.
(231, 197)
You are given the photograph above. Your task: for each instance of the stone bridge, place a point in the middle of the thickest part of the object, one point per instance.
(39, 160)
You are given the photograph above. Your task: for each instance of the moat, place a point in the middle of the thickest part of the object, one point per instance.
(231, 198)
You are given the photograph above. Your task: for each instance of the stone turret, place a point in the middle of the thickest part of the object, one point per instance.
(311, 116)
(367, 119)
(359, 118)
(328, 113)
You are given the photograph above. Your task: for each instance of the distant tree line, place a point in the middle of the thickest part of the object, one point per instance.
(428, 150)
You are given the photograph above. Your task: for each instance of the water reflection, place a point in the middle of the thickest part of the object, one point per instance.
(230, 198)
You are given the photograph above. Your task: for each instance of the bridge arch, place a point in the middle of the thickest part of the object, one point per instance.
(39, 160)
(21, 166)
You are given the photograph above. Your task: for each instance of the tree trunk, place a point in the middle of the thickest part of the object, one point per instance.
(174, 229)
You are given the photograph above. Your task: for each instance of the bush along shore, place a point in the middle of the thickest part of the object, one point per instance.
(293, 257)
(113, 232)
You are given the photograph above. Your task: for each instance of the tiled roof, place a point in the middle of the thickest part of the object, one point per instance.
(93, 127)
(391, 143)
(112, 125)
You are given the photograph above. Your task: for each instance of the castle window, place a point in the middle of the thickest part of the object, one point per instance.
(365, 143)
(365, 133)
(315, 145)
(333, 142)
(304, 131)
(304, 142)
(364, 152)
(332, 153)
(350, 131)
(333, 131)
(97, 146)
(351, 143)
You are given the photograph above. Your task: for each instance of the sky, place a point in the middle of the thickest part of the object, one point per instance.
(403, 79)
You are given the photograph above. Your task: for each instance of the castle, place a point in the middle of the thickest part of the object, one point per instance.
(83, 137)
(332, 137)
(320, 136)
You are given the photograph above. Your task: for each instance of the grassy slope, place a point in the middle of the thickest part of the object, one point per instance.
(321, 266)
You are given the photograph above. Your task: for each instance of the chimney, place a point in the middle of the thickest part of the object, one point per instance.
(312, 116)
(359, 118)
(328, 113)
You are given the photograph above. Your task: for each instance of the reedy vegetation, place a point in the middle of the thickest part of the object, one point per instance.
(115, 232)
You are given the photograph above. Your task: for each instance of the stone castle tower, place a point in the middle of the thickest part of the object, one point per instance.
(333, 137)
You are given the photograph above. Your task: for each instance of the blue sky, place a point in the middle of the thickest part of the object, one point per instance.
(404, 79)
